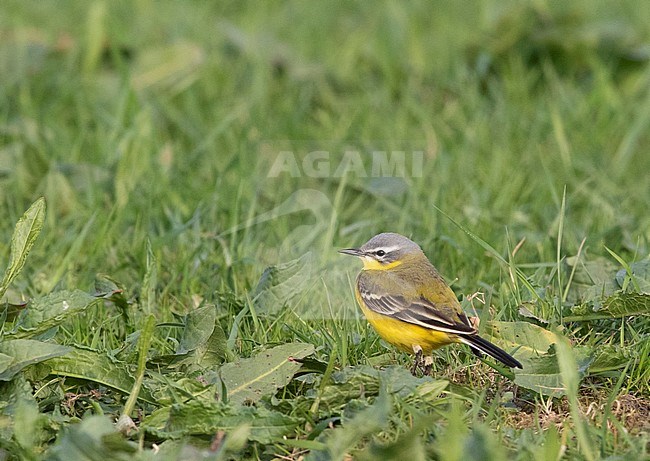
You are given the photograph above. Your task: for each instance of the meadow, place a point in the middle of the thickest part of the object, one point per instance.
(177, 177)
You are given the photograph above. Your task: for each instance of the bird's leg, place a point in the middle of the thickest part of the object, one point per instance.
(428, 365)
(417, 363)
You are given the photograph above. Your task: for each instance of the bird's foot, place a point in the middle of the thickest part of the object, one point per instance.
(417, 362)
(428, 365)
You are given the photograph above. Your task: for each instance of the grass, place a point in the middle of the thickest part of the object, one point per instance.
(151, 131)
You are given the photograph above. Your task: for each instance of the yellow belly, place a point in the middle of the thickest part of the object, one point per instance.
(404, 335)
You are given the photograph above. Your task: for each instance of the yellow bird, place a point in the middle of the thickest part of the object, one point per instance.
(409, 303)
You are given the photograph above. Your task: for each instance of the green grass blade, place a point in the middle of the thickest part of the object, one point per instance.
(146, 337)
(571, 380)
(490, 249)
(558, 256)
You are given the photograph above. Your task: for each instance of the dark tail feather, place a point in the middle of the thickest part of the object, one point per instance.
(483, 346)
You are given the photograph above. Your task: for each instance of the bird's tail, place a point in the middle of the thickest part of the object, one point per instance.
(482, 346)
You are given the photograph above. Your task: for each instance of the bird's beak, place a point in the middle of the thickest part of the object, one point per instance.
(351, 251)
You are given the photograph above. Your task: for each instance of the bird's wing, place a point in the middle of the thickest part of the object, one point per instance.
(420, 311)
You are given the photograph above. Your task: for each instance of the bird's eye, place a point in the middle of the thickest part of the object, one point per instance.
(380, 253)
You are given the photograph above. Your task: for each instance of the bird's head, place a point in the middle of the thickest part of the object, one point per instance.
(385, 251)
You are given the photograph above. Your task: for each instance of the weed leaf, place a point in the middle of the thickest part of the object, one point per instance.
(214, 350)
(199, 417)
(528, 339)
(16, 354)
(204, 337)
(591, 279)
(94, 437)
(97, 367)
(248, 380)
(363, 381)
(25, 234)
(280, 283)
(609, 357)
(199, 325)
(641, 273)
(534, 347)
(365, 423)
(542, 374)
(49, 311)
(5, 362)
(618, 305)
(27, 421)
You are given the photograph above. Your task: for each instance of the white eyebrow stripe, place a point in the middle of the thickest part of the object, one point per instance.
(386, 249)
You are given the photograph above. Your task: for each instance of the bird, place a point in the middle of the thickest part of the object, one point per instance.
(410, 305)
